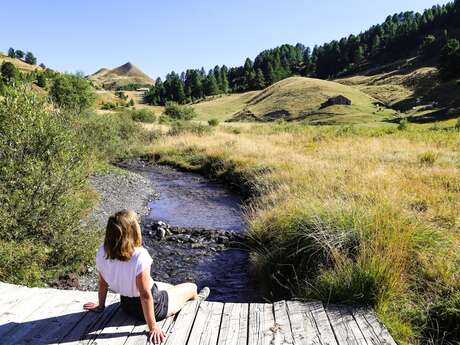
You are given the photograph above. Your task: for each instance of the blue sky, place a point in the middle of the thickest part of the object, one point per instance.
(160, 36)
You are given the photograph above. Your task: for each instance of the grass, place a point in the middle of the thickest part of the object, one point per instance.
(302, 98)
(350, 214)
(222, 107)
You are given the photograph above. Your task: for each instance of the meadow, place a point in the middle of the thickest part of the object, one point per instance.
(346, 214)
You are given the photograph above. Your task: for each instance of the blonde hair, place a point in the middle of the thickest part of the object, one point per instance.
(122, 235)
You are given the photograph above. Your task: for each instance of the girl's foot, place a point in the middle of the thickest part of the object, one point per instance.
(204, 293)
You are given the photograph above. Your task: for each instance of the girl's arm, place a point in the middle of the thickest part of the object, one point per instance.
(157, 335)
(102, 295)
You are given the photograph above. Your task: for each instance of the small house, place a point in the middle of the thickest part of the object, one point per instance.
(338, 100)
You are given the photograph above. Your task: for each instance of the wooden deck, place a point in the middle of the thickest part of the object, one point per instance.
(48, 316)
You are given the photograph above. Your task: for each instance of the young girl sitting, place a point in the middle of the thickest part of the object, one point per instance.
(124, 266)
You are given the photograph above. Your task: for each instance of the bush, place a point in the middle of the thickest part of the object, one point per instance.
(403, 124)
(110, 136)
(108, 106)
(213, 122)
(9, 72)
(43, 191)
(143, 115)
(457, 125)
(72, 93)
(428, 158)
(179, 112)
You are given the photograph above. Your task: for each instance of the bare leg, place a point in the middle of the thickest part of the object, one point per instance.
(164, 286)
(178, 295)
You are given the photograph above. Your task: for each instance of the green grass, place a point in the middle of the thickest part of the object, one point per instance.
(222, 107)
(347, 214)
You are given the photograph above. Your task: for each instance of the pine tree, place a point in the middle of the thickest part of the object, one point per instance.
(259, 80)
(224, 86)
(19, 54)
(211, 87)
(11, 53)
(30, 58)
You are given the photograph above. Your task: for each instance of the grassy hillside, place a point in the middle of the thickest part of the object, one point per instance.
(20, 65)
(223, 107)
(415, 90)
(120, 76)
(301, 98)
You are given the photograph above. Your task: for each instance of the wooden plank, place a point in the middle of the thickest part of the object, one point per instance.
(206, 327)
(310, 324)
(139, 334)
(15, 317)
(345, 328)
(116, 331)
(262, 329)
(234, 326)
(373, 330)
(38, 327)
(12, 298)
(283, 323)
(183, 324)
(90, 324)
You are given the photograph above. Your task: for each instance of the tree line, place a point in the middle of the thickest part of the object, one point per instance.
(431, 33)
(27, 57)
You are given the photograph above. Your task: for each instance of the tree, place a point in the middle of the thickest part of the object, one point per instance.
(19, 54)
(30, 58)
(211, 87)
(259, 82)
(449, 60)
(72, 93)
(9, 72)
(41, 80)
(42, 65)
(429, 47)
(11, 53)
(224, 79)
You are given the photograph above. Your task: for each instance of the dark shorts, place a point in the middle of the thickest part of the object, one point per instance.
(133, 306)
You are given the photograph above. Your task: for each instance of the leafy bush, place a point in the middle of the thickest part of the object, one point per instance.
(43, 191)
(72, 93)
(9, 72)
(110, 136)
(108, 106)
(213, 122)
(403, 124)
(179, 112)
(143, 115)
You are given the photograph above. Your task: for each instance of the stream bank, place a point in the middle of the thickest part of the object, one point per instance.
(192, 227)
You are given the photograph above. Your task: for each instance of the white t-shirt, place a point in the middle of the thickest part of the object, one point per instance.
(121, 275)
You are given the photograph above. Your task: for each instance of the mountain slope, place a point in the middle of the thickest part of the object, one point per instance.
(120, 76)
(302, 98)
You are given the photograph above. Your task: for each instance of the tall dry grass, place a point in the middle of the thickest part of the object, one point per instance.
(350, 215)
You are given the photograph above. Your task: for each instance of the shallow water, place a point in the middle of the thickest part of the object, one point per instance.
(190, 200)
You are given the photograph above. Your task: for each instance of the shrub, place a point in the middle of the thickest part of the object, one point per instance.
(9, 72)
(110, 136)
(72, 93)
(403, 124)
(108, 106)
(213, 122)
(143, 115)
(457, 125)
(428, 158)
(43, 191)
(179, 112)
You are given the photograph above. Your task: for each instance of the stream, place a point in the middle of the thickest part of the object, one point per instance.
(188, 200)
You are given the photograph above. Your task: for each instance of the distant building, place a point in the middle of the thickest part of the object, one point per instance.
(143, 89)
(338, 100)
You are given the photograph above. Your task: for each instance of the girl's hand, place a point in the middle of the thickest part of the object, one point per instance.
(156, 335)
(93, 307)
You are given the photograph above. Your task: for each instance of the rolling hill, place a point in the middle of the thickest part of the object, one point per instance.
(120, 76)
(299, 98)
